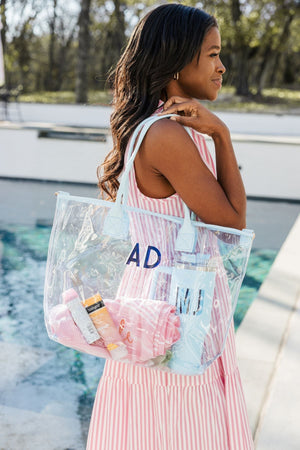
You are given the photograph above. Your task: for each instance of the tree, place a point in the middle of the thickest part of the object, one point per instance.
(281, 46)
(50, 81)
(3, 8)
(65, 56)
(21, 43)
(83, 52)
(113, 38)
(255, 37)
(75, 49)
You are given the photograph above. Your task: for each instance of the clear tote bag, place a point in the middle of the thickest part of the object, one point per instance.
(141, 287)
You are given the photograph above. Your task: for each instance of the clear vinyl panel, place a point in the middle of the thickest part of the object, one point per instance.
(140, 297)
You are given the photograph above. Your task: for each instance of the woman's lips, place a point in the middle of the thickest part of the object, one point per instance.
(218, 82)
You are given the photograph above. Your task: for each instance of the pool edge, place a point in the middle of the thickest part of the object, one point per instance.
(263, 339)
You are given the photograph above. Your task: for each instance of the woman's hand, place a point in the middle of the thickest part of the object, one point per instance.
(221, 200)
(192, 114)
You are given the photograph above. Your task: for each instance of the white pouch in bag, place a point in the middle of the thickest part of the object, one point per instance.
(141, 287)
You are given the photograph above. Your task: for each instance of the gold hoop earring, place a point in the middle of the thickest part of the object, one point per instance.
(176, 76)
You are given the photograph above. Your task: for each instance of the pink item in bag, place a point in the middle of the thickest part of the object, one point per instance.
(68, 334)
(148, 328)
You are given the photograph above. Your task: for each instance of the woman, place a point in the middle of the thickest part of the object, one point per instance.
(173, 58)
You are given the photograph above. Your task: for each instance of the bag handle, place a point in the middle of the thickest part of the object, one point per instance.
(132, 152)
(117, 223)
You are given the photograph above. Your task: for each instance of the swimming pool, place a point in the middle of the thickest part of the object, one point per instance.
(65, 384)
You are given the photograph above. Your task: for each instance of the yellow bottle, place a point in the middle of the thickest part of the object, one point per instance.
(105, 326)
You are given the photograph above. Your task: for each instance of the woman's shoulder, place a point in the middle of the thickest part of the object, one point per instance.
(164, 127)
(168, 146)
(167, 142)
(169, 134)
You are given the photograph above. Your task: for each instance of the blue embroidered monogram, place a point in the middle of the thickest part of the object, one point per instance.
(134, 257)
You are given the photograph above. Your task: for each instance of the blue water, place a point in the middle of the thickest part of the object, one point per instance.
(67, 378)
(259, 264)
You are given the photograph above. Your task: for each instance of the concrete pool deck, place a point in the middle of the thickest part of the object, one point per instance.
(268, 343)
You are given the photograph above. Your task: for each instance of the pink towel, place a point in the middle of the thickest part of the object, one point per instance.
(68, 334)
(148, 328)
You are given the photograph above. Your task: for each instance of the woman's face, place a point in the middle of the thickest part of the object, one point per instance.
(201, 78)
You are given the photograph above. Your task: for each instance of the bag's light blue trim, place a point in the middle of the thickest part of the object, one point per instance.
(98, 202)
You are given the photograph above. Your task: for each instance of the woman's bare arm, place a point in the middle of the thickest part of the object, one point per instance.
(169, 159)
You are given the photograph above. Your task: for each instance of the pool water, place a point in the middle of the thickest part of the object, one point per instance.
(64, 384)
(259, 264)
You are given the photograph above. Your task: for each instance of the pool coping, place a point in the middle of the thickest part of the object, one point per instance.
(238, 137)
(264, 348)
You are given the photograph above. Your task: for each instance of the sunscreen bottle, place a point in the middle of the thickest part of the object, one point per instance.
(80, 316)
(105, 326)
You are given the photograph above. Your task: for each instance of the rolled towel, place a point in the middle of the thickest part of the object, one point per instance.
(148, 328)
(67, 333)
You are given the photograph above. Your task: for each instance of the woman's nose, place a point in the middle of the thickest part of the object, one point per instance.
(221, 68)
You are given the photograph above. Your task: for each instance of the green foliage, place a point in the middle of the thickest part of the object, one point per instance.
(265, 35)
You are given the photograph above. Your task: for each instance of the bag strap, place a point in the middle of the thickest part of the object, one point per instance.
(117, 219)
(133, 149)
(151, 120)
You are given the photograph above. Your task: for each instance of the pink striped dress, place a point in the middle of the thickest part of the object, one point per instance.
(138, 408)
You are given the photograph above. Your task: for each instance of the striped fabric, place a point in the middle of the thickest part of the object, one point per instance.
(137, 408)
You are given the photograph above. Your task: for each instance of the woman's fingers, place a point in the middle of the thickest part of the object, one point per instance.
(186, 121)
(192, 114)
(186, 108)
(174, 99)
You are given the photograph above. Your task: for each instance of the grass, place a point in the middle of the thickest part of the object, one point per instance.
(66, 97)
(273, 100)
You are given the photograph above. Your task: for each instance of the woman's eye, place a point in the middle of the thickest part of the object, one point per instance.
(213, 55)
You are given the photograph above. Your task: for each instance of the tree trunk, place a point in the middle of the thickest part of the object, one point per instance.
(3, 27)
(271, 57)
(63, 62)
(285, 34)
(242, 68)
(120, 29)
(50, 79)
(114, 38)
(83, 52)
(4, 23)
(241, 51)
(264, 69)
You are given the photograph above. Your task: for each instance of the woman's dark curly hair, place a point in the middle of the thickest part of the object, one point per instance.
(162, 43)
